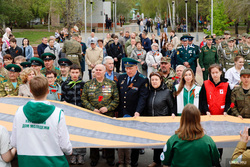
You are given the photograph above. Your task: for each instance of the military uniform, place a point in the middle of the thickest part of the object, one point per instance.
(96, 95)
(245, 52)
(207, 57)
(73, 50)
(55, 92)
(63, 62)
(4, 72)
(170, 79)
(229, 56)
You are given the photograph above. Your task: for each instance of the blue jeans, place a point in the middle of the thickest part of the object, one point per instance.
(158, 31)
(166, 30)
(148, 29)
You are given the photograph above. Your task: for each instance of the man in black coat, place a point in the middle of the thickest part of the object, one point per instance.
(116, 53)
(42, 46)
(14, 50)
(133, 93)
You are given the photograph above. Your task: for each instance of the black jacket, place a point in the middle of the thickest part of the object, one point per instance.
(73, 94)
(160, 101)
(15, 52)
(116, 50)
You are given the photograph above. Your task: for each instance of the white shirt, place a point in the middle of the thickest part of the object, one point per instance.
(4, 145)
(233, 77)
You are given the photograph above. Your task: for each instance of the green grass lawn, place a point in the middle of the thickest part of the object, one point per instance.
(35, 37)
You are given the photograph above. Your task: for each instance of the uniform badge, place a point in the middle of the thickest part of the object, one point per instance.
(122, 82)
(178, 52)
(115, 79)
(131, 85)
(146, 85)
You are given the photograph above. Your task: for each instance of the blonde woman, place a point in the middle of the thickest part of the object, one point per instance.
(26, 75)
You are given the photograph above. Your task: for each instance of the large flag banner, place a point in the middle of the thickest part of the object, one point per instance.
(89, 129)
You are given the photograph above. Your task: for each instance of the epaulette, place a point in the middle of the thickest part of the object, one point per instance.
(2, 76)
(143, 76)
(4, 80)
(191, 46)
(178, 47)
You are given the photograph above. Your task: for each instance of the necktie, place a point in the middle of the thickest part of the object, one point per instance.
(129, 81)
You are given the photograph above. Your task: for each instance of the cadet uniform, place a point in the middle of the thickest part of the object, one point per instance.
(245, 52)
(63, 62)
(229, 56)
(196, 48)
(186, 55)
(50, 56)
(10, 88)
(133, 93)
(73, 50)
(207, 57)
(96, 95)
(241, 99)
(224, 43)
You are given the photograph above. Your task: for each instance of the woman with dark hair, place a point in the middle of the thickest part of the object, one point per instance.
(153, 40)
(190, 146)
(159, 103)
(27, 50)
(215, 93)
(187, 91)
(163, 40)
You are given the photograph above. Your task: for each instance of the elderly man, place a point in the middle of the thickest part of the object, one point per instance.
(128, 42)
(42, 46)
(169, 75)
(10, 87)
(133, 93)
(108, 62)
(64, 64)
(101, 96)
(92, 35)
(131, 47)
(48, 59)
(94, 55)
(73, 50)
(179, 71)
(56, 44)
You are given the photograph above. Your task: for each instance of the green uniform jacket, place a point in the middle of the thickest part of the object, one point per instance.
(56, 69)
(72, 47)
(96, 95)
(170, 79)
(241, 102)
(229, 56)
(208, 56)
(7, 88)
(188, 55)
(183, 153)
(245, 52)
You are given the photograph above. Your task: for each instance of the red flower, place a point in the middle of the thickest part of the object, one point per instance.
(100, 98)
(177, 77)
(173, 78)
(232, 105)
(53, 90)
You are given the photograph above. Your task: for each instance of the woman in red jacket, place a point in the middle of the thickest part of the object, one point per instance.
(215, 93)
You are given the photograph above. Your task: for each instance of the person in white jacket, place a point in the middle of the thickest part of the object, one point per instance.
(39, 130)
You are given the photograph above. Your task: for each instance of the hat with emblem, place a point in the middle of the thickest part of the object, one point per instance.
(245, 72)
(13, 68)
(190, 38)
(48, 56)
(35, 61)
(209, 37)
(64, 62)
(25, 64)
(128, 62)
(165, 60)
(184, 37)
(227, 32)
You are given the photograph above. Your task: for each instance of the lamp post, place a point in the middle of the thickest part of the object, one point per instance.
(173, 14)
(91, 3)
(103, 17)
(186, 16)
(197, 36)
(85, 19)
(113, 16)
(212, 16)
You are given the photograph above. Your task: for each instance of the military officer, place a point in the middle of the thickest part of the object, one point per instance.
(133, 93)
(230, 52)
(48, 59)
(245, 52)
(25, 64)
(196, 47)
(244, 37)
(10, 86)
(226, 36)
(208, 56)
(37, 64)
(101, 96)
(64, 65)
(240, 96)
(186, 54)
(73, 49)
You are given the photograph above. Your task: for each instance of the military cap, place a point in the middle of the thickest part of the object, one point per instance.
(247, 36)
(13, 68)
(154, 44)
(184, 37)
(222, 37)
(37, 61)
(190, 38)
(92, 40)
(209, 37)
(129, 62)
(245, 72)
(64, 62)
(25, 64)
(165, 60)
(48, 56)
(230, 39)
(244, 34)
(239, 37)
(218, 38)
(75, 35)
(227, 32)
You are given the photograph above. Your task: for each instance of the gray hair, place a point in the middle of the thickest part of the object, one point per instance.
(179, 66)
(101, 66)
(52, 37)
(107, 58)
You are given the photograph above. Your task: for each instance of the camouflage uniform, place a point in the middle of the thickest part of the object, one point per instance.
(4, 72)
(97, 95)
(224, 44)
(241, 101)
(170, 79)
(220, 55)
(245, 52)
(229, 56)
(73, 50)
(7, 88)
(56, 69)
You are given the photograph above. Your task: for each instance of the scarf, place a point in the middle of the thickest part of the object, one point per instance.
(74, 83)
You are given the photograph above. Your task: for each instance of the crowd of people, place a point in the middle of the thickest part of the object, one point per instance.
(131, 75)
